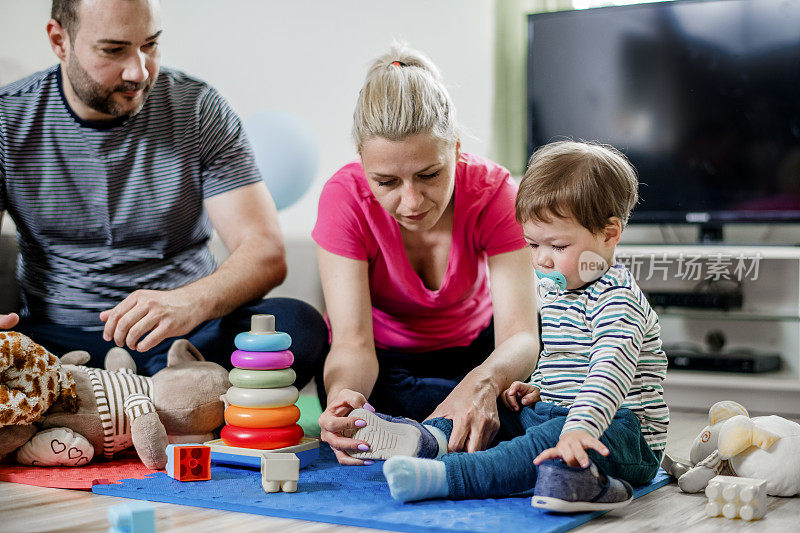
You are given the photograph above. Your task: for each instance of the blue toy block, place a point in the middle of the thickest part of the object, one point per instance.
(136, 517)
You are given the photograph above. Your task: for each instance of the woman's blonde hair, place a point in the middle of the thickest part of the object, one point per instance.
(589, 181)
(403, 95)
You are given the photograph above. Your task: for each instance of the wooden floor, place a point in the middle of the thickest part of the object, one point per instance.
(30, 509)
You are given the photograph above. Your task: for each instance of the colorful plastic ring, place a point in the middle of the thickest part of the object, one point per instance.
(262, 418)
(262, 379)
(262, 360)
(265, 342)
(262, 398)
(262, 438)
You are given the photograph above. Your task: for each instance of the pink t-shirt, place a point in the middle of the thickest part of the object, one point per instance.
(407, 316)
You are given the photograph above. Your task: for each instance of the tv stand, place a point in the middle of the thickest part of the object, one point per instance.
(766, 322)
(711, 234)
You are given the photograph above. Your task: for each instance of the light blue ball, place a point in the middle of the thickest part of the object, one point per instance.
(287, 154)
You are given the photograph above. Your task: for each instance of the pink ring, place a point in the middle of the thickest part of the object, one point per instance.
(262, 360)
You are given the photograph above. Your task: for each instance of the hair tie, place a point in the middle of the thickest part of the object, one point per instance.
(399, 64)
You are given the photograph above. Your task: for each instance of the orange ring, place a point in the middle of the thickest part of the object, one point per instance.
(261, 438)
(249, 417)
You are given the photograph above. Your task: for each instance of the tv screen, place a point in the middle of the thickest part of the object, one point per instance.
(702, 96)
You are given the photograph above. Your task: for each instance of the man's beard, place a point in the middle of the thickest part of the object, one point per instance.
(101, 98)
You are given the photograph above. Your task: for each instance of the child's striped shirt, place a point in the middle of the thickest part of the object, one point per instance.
(601, 351)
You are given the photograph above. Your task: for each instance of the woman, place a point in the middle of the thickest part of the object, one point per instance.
(405, 235)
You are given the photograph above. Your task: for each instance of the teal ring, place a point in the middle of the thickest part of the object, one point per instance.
(262, 379)
(271, 342)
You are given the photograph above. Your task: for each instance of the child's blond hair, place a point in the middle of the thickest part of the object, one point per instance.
(588, 181)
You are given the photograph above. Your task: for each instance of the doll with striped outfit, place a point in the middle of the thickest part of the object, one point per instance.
(108, 410)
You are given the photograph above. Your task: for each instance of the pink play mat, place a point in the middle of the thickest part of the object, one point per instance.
(125, 465)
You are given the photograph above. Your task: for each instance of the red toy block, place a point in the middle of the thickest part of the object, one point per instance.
(189, 462)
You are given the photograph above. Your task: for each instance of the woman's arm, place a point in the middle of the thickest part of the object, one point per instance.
(352, 366)
(473, 403)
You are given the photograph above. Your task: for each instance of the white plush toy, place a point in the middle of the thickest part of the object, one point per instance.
(762, 447)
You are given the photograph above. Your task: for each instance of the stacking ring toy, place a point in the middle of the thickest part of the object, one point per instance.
(262, 379)
(262, 398)
(262, 418)
(262, 439)
(262, 360)
(264, 342)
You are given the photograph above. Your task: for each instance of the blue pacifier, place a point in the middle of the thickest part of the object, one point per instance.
(550, 285)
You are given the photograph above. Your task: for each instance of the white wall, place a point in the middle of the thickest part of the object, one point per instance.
(307, 57)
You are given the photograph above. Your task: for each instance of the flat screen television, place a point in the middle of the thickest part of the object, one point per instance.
(702, 96)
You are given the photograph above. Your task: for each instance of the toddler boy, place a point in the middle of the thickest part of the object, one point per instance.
(593, 410)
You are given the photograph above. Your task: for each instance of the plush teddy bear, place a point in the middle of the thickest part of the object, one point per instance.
(116, 407)
(762, 447)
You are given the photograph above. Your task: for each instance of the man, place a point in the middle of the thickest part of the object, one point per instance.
(108, 166)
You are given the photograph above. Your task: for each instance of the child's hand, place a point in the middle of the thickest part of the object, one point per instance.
(520, 394)
(571, 448)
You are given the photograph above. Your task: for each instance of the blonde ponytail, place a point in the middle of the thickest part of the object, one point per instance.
(403, 95)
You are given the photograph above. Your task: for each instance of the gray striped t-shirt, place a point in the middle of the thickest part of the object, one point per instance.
(601, 351)
(103, 209)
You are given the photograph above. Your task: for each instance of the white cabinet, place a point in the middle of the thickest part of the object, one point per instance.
(768, 320)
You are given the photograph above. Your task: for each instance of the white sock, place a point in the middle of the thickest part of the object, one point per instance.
(411, 478)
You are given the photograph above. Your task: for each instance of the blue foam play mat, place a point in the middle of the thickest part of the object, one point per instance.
(355, 496)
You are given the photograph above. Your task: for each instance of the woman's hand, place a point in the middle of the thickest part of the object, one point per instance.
(336, 425)
(520, 394)
(8, 321)
(472, 406)
(572, 448)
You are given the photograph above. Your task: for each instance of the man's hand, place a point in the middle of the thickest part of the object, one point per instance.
(335, 425)
(572, 447)
(146, 317)
(472, 406)
(520, 394)
(8, 321)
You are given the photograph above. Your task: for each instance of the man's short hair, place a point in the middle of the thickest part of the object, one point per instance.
(65, 12)
(588, 181)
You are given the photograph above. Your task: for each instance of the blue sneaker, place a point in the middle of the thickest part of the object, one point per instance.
(567, 489)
